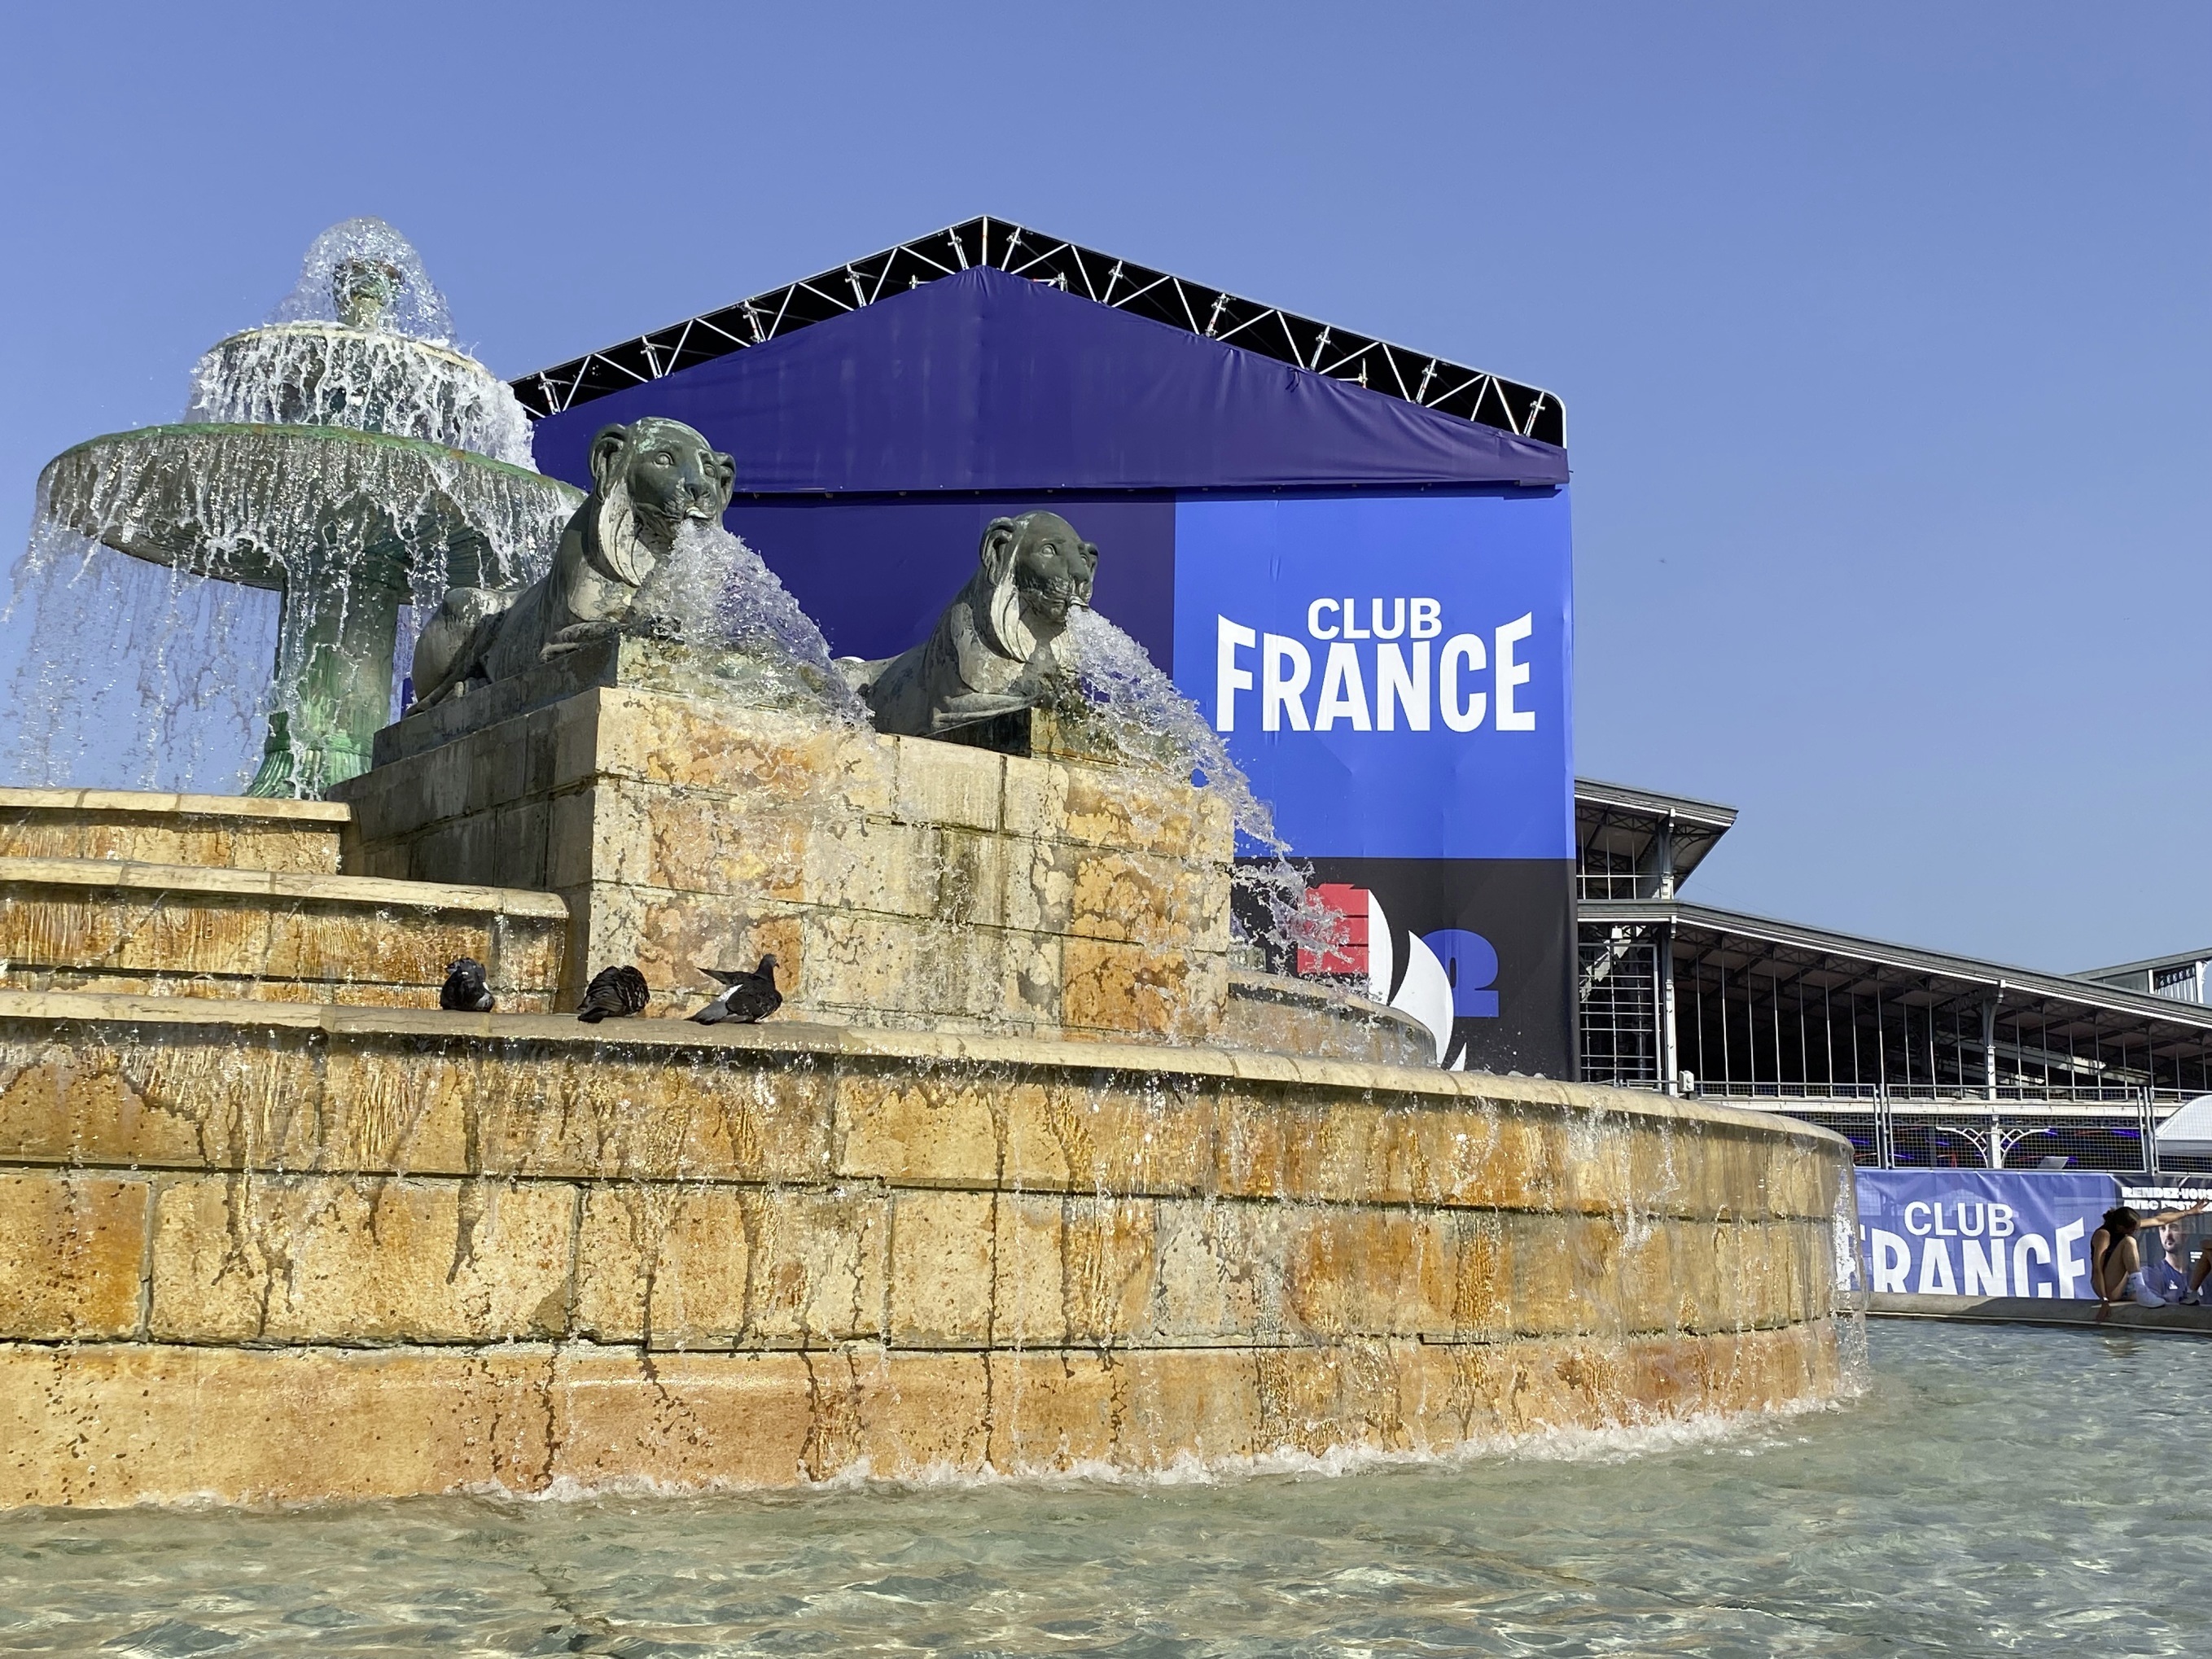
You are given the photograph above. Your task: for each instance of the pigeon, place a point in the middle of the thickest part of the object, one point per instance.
(615, 991)
(465, 991)
(746, 997)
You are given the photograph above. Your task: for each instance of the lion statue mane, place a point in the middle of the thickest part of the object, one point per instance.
(994, 649)
(648, 479)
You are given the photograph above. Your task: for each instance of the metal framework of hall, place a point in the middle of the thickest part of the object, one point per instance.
(1918, 1056)
(1416, 377)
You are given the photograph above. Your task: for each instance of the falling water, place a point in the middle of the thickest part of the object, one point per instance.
(154, 672)
(1120, 680)
(364, 340)
(134, 675)
(304, 465)
(713, 591)
(359, 263)
(327, 375)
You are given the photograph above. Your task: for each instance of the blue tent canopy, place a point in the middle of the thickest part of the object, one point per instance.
(985, 382)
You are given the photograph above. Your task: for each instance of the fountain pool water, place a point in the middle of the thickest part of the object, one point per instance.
(1904, 1519)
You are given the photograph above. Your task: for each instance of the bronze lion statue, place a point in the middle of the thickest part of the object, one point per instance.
(648, 478)
(993, 651)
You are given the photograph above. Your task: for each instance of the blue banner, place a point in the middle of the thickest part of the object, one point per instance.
(1980, 1232)
(1392, 672)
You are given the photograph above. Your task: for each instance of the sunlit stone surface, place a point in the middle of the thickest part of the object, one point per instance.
(296, 1252)
(898, 881)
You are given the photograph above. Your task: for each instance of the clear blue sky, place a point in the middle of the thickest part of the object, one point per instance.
(1884, 331)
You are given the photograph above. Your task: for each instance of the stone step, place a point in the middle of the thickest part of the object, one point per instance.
(121, 926)
(213, 831)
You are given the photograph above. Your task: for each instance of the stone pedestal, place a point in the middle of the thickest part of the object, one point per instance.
(900, 882)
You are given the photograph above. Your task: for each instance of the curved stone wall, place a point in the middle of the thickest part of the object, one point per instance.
(272, 1251)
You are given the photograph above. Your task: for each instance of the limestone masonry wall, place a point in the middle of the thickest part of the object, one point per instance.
(900, 882)
(271, 1251)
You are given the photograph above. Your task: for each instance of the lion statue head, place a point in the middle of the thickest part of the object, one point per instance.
(1034, 569)
(648, 478)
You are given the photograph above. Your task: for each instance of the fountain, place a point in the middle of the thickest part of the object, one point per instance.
(1031, 1173)
(345, 455)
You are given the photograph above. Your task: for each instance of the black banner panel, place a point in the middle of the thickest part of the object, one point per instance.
(1479, 950)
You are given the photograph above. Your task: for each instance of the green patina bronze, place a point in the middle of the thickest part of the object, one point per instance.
(340, 505)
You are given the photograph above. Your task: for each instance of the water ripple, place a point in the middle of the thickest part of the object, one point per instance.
(1993, 1491)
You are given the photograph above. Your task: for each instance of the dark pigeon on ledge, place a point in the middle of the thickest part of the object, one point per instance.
(465, 991)
(746, 997)
(614, 993)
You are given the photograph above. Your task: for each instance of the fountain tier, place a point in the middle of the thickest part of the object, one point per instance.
(343, 454)
(345, 524)
(274, 1252)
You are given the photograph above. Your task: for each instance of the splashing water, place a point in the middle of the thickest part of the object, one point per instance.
(326, 375)
(153, 678)
(358, 264)
(133, 676)
(342, 455)
(1120, 680)
(363, 341)
(718, 594)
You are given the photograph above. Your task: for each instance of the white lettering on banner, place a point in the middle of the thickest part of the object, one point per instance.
(1920, 1231)
(1511, 674)
(1459, 648)
(1228, 678)
(2030, 1244)
(1342, 691)
(1985, 1268)
(1892, 1257)
(1277, 695)
(2000, 1221)
(1936, 1269)
(2070, 1266)
(1393, 690)
(1402, 673)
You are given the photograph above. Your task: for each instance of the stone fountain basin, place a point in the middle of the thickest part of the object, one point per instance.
(235, 503)
(276, 1251)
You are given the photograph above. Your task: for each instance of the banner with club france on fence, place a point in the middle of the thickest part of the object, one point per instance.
(1980, 1232)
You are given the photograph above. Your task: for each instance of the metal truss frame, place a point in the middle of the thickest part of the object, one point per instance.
(1396, 371)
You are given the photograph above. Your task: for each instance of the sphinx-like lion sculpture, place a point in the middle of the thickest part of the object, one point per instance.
(993, 651)
(648, 479)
